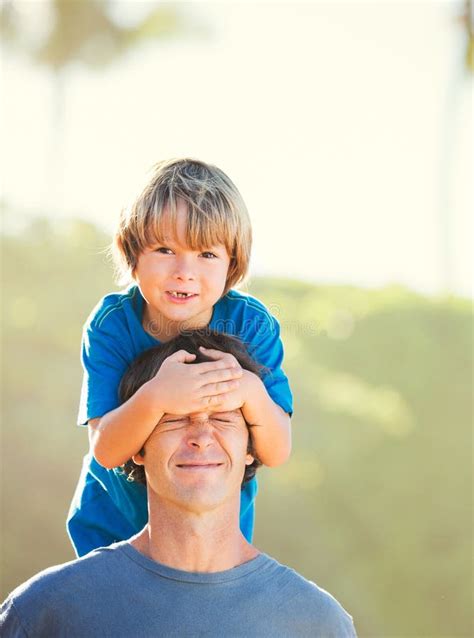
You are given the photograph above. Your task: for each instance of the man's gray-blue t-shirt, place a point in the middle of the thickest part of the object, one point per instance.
(117, 591)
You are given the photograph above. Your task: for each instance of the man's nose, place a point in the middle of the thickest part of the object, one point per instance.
(184, 267)
(200, 435)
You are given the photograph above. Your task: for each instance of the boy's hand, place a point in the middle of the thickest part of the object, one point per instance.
(236, 397)
(184, 389)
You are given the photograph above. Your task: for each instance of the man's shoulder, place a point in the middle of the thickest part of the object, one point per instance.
(313, 606)
(61, 581)
(113, 307)
(301, 586)
(62, 600)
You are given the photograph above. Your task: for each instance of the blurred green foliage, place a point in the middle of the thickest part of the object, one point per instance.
(375, 504)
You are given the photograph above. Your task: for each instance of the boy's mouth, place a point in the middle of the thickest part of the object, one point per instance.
(176, 295)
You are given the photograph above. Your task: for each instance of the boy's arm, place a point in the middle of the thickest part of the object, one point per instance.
(121, 433)
(271, 425)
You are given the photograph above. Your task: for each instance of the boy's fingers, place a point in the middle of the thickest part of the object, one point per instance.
(214, 354)
(213, 389)
(225, 374)
(182, 356)
(209, 366)
(226, 401)
(218, 355)
(213, 401)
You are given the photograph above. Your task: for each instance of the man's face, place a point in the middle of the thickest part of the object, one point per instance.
(197, 461)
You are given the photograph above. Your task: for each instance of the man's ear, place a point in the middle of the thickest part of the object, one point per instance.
(138, 459)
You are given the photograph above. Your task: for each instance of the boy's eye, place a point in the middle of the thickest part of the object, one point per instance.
(208, 255)
(163, 250)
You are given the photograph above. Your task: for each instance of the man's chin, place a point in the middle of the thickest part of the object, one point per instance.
(201, 477)
(200, 499)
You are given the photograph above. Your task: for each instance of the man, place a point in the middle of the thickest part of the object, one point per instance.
(190, 571)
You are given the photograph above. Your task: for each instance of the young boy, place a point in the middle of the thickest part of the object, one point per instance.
(183, 244)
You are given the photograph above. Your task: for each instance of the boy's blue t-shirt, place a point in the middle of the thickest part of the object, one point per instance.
(106, 507)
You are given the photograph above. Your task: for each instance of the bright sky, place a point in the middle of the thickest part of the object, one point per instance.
(346, 126)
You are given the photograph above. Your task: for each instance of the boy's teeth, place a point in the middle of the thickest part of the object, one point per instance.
(180, 294)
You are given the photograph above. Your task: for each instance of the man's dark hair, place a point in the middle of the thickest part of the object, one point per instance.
(147, 364)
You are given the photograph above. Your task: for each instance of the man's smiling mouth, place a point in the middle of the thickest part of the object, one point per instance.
(198, 466)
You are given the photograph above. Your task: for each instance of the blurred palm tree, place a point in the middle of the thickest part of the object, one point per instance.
(468, 19)
(86, 32)
(463, 69)
(60, 34)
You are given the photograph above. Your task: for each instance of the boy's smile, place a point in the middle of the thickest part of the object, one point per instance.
(180, 285)
(180, 297)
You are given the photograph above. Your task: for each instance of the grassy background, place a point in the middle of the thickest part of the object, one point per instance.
(375, 504)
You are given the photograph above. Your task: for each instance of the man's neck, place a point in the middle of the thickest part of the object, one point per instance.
(206, 542)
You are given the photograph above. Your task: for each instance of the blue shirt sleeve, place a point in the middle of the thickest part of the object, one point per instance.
(105, 358)
(266, 347)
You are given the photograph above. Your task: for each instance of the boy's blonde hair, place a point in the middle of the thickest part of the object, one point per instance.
(216, 214)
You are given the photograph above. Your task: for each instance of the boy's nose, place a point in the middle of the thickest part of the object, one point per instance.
(184, 269)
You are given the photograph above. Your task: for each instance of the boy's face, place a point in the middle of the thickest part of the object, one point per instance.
(165, 270)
